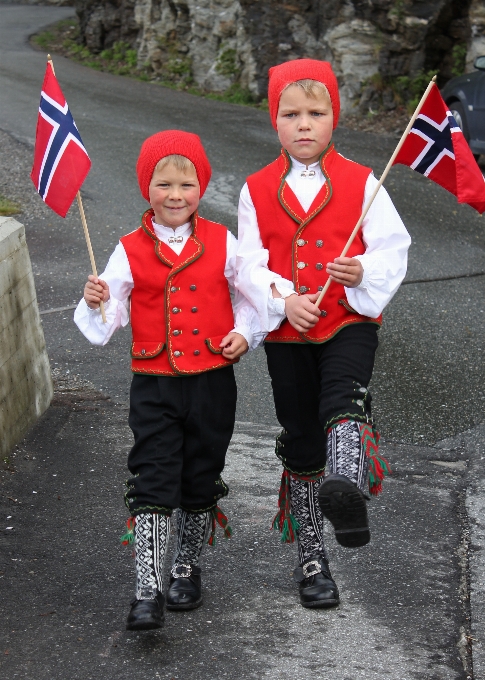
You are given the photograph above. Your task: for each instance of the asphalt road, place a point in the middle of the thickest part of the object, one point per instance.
(410, 599)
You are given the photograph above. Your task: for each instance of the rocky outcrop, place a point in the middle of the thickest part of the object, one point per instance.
(221, 44)
(477, 27)
(102, 23)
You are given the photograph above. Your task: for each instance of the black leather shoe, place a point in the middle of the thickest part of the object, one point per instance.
(317, 587)
(185, 591)
(146, 614)
(345, 506)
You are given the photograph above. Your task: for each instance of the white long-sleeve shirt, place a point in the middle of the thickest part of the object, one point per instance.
(119, 278)
(384, 261)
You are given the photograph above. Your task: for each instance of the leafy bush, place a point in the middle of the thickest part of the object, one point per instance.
(459, 59)
(226, 62)
(408, 91)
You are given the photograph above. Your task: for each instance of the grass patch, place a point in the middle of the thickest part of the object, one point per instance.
(8, 207)
(64, 38)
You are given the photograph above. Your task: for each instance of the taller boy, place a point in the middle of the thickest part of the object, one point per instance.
(295, 216)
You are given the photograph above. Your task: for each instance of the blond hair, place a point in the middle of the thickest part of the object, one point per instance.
(180, 162)
(312, 88)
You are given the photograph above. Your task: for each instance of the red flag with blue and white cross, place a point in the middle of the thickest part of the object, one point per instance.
(436, 148)
(61, 162)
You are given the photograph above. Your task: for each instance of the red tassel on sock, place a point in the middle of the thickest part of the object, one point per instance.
(284, 521)
(378, 466)
(219, 518)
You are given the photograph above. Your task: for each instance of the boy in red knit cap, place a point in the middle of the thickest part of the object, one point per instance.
(295, 217)
(173, 278)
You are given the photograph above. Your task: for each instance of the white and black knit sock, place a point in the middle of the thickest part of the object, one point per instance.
(192, 529)
(151, 538)
(346, 455)
(307, 512)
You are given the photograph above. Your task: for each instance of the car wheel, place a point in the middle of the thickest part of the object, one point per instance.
(458, 113)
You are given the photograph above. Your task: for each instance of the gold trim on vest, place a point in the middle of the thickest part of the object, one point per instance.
(146, 349)
(213, 344)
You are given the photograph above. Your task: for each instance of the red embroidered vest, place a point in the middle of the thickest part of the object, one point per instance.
(300, 244)
(180, 304)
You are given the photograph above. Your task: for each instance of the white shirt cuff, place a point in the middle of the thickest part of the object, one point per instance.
(283, 290)
(98, 309)
(364, 284)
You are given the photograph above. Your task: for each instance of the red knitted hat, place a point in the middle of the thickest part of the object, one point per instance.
(299, 69)
(167, 143)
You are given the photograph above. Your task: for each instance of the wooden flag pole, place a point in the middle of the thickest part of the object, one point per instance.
(90, 249)
(85, 226)
(378, 186)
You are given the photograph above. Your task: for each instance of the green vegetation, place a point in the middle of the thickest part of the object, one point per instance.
(459, 59)
(44, 39)
(235, 94)
(398, 11)
(174, 69)
(226, 63)
(8, 464)
(404, 91)
(63, 38)
(8, 207)
(408, 91)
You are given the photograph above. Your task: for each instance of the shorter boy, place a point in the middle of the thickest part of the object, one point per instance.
(177, 271)
(295, 217)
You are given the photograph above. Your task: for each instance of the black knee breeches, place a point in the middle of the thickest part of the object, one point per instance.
(317, 385)
(182, 428)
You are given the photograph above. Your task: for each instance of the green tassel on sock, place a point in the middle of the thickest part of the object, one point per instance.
(129, 537)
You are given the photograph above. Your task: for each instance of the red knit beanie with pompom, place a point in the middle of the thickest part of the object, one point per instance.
(300, 69)
(167, 143)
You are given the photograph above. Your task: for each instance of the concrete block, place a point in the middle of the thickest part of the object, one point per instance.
(23, 359)
(25, 379)
(13, 269)
(21, 337)
(12, 306)
(12, 238)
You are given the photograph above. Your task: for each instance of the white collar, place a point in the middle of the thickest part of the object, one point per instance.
(301, 166)
(161, 230)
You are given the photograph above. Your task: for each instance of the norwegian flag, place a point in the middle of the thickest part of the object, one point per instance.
(61, 162)
(435, 147)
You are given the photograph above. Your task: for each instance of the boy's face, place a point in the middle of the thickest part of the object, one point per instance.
(174, 195)
(304, 124)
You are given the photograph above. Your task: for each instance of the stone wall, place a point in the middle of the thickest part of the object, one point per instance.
(25, 384)
(220, 43)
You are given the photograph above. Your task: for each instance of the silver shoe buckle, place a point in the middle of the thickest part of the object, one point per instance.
(181, 571)
(316, 568)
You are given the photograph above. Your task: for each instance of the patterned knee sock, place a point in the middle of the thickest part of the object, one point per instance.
(151, 538)
(192, 529)
(345, 453)
(306, 510)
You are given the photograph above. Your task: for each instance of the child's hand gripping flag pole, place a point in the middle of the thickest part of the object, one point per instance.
(433, 145)
(61, 163)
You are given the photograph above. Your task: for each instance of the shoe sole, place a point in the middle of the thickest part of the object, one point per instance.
(324, 604)
(344, 505)
(183, 607)
(145, 625)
